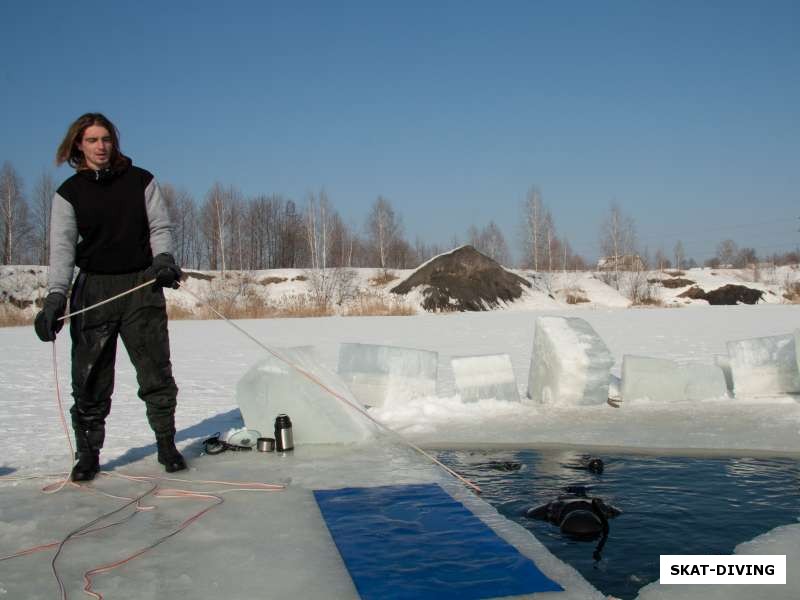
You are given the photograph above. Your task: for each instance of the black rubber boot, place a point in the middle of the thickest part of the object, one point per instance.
(87, 467)
(168, 454)
(89, 442)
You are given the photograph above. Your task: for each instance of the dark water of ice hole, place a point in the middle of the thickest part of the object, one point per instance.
(670, 505)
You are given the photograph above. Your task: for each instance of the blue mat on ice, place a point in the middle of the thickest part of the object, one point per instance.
(416, 542)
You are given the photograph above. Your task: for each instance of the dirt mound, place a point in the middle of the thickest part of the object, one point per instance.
(676, 283)
(695, 293)
(733, 294)
(726, 295)
(463, 280)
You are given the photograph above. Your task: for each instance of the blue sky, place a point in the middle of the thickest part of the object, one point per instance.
(686, 114)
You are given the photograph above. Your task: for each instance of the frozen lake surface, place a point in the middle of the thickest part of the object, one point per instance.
(209, 359)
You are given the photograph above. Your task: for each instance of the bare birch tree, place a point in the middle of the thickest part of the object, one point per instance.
(183, 215)
(384, 228)
(661, 261)
(532, 224)
(679, 254)
(491, 242)
(214, 222)
(726, 252)
(14, 223)
(617, 238)
(43, 192)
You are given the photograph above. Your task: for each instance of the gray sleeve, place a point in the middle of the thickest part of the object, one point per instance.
(63, 241)
(160, 226)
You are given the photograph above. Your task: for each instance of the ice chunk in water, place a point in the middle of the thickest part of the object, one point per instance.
(272, 387)
(663, 380)
(485, 377)
(765, 365)
(379, 375)
(570, 363)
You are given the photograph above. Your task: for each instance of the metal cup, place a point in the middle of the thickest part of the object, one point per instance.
(265, 444)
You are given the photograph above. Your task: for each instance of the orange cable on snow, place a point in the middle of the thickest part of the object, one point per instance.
(89, 575)
(79, 530)
(171, 493)
(337, 395)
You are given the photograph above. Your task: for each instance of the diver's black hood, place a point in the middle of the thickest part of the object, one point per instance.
(581, 523)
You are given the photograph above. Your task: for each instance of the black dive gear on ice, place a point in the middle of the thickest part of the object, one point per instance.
(47, 323)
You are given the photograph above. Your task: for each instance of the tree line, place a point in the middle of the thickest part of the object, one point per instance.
(227, 231)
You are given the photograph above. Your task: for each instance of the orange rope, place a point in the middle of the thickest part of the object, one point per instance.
(89, 575)
(57, 487)
(173, 493)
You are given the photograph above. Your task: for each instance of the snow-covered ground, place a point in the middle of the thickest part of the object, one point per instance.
(22, 286)
(209, 357)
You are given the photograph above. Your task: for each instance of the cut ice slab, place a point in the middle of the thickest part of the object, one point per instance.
(796, 346)
(570, 363)
(663, 380)
(273, 386)
(765, 366)
(379, 375)
(485, 377)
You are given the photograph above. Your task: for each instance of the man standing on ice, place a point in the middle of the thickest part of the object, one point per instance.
(110, 220)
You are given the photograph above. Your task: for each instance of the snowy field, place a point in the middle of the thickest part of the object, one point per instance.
(209, 358)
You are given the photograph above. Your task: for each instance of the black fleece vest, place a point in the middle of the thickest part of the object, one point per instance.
(112, 220)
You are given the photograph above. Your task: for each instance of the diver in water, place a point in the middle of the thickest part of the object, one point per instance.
(593, 464)
(575, 513)
(577, 516)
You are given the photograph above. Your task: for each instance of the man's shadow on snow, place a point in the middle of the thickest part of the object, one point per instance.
(6, 471)
(205, 428)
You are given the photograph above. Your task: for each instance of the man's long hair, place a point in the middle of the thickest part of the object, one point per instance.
(68, 151)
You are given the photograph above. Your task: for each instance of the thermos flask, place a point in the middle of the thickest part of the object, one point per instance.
(283, 433)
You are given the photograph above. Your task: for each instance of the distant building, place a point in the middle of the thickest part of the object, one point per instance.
(626, 262)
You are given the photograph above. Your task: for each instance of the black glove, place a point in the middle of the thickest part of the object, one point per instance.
(165, 271)
(47, 323)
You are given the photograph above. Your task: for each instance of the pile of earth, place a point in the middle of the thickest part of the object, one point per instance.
(678, 282)
(463, 280)
(726, 295)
